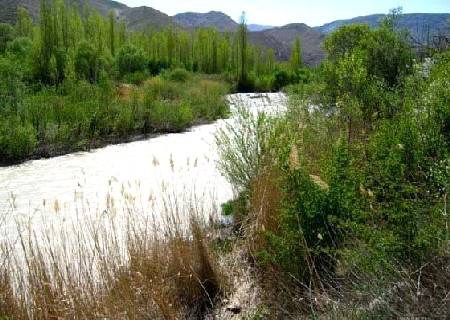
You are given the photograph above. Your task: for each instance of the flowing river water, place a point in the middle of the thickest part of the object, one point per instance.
(44, 196)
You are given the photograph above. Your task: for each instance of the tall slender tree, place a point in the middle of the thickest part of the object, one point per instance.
(112, 33)
(242, 53)
(24, 24)
(296, 60)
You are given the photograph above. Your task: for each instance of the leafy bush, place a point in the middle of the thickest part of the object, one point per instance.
(168, 116)
(178, 75)
(20, 47)
(156, 67)
(17, 139)
(159, 89)
(88, 62)
(136, 78)
(6, 35)
(207, 99)
(130, 59)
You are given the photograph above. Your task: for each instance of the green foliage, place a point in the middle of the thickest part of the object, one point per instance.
(179, 75)
(362, 178)
(17, 139)
(6, 35)
(243, 145)
(24, 24)
(88, 63)
(244, 83)
(130, 59)
(296, 61)
(11, 82)
(170, 116)
(20, 47)
(79, 114)
(136, 78)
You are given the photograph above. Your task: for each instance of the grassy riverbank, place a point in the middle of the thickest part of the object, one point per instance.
(79, 116)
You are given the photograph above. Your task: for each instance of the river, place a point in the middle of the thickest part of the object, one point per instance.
(175, 170)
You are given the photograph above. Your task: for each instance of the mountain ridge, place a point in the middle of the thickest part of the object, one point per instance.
(211, 19)
(416, 23)
(280, 39)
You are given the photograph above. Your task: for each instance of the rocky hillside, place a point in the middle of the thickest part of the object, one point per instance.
(212, 19)
(418, 24)
(144, 17)
(278, 38)
(258, 27)
(136, 18)
(282, 38)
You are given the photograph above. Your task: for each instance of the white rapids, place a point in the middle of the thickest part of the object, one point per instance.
(42, 195)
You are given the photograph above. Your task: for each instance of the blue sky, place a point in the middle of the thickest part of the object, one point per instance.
(280, 12)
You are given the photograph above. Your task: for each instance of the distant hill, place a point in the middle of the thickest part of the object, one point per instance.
(418, 24)
(143, 17)
(258, 27)
(282, 38)
(136, 18)
(212, 19)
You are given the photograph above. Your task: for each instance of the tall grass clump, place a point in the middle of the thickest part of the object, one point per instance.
(132, 268)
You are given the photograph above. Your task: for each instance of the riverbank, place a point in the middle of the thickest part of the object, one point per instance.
(80, 116)
(46, 152)
(116, 214)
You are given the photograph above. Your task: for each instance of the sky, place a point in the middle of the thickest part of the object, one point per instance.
(281, 12)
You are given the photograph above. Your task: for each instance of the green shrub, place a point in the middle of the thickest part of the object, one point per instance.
(6, 35)
(159, 89)
(136, 78)
(17, 139)
(178, 75)
(88, 63)
(20, 47)
(207, 99)
(130, 59)
(170, 116)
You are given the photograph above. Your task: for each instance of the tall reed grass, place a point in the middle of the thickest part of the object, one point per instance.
(117, 264)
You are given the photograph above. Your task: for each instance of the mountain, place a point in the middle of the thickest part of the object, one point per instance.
(212, 19)
(136, 18)
(418, 24)
(282, 38)
(258, 27)
(143, 17)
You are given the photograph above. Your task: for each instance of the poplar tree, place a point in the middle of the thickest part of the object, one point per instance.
(296, 61)
(24, 23)
(242, 53)
(112, 33)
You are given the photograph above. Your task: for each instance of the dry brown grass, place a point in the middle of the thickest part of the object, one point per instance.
(168, 273)
(264, 210)
(125, 92)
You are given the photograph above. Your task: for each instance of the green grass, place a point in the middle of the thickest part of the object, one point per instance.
(79, 115)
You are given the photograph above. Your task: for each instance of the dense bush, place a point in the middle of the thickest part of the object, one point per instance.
(130, 59)
(20, 47)
(88, 63)
(80, 114)
(179, 75)
(6, 35)
(17, 139)
(352, 193)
